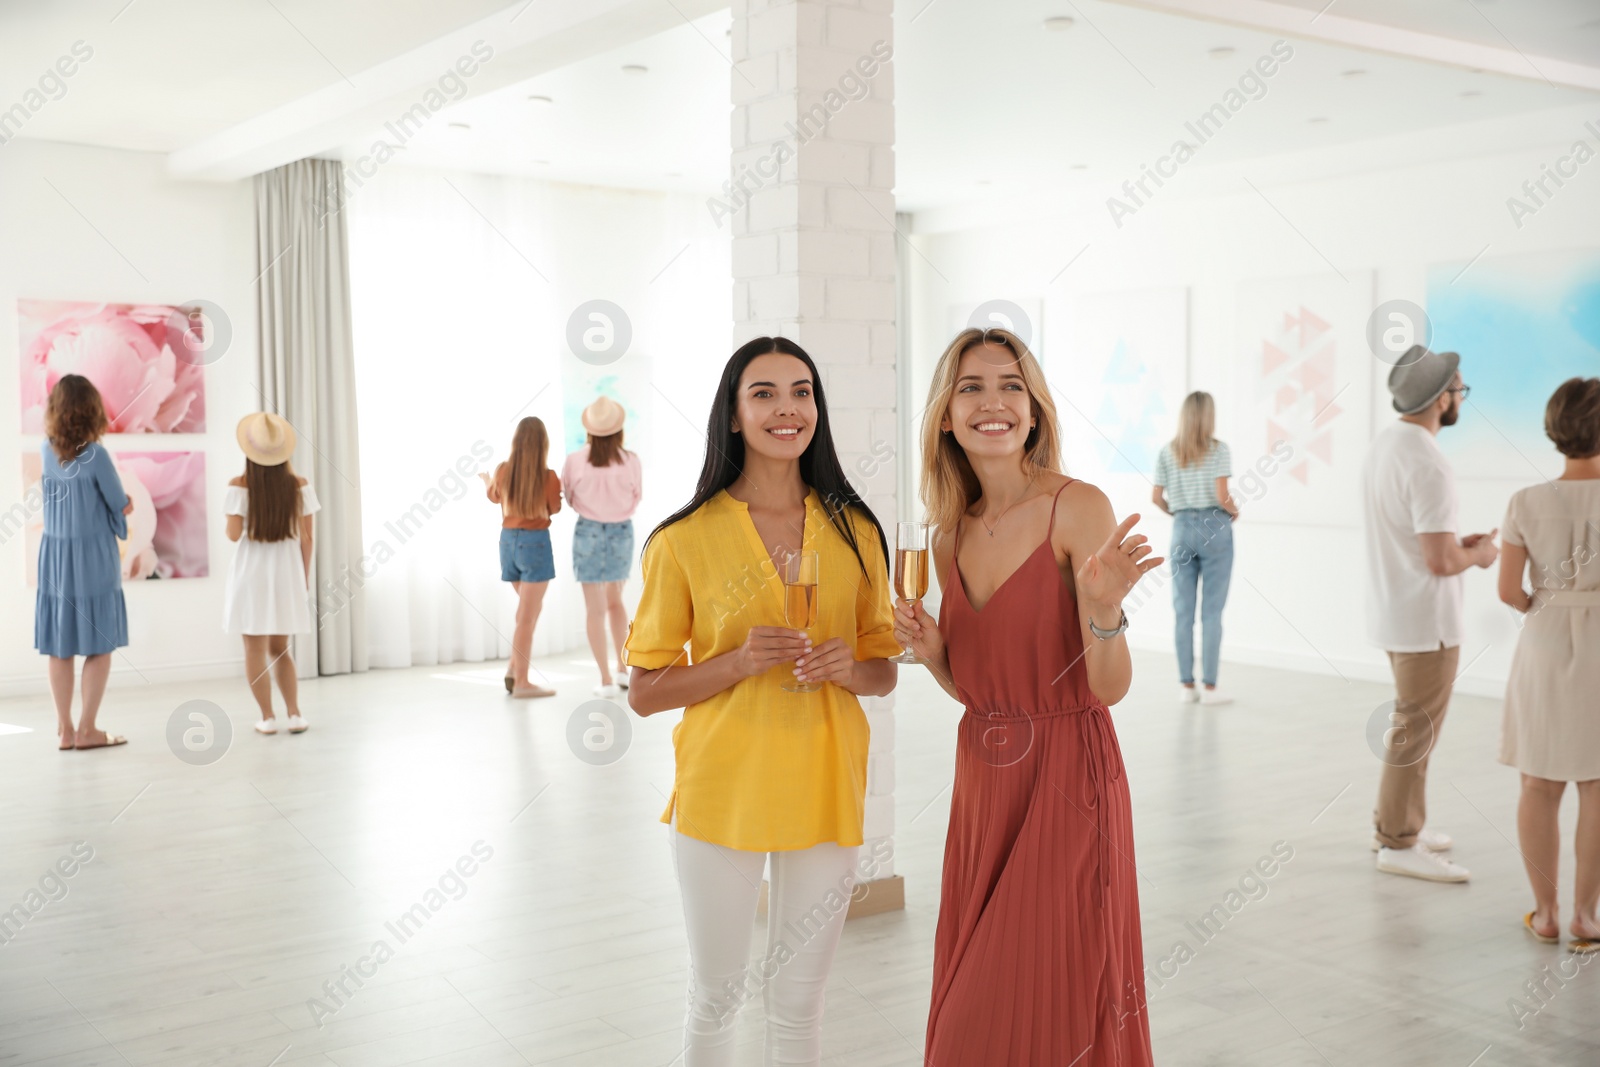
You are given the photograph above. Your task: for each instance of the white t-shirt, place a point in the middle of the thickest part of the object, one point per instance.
(1410, 490)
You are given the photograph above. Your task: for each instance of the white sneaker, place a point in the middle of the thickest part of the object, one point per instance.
(1214, 696)
(1188, 694)
(1432, 840)
(1418, 862)
(267, 726)
(298, 724)
(609, 692)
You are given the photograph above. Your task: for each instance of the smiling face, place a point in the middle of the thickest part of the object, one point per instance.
(991, 411)
(776, 409)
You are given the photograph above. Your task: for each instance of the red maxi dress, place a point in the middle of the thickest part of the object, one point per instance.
(1037, 957)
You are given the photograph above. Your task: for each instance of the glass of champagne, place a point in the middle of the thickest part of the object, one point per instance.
(800, 605)
(910, 571)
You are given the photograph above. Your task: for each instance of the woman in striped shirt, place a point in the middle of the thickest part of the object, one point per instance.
(1191, 485)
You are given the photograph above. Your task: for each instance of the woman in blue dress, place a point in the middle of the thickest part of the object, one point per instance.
(80, 610)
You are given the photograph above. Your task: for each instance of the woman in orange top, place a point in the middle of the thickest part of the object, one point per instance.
(528, 493)
(764, 771)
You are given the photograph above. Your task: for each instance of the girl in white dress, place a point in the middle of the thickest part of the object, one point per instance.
(269, 513)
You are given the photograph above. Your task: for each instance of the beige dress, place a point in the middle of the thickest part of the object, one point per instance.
(1552, 713)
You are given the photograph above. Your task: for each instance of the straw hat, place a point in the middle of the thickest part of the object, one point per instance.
(604, 417)
(266, 439)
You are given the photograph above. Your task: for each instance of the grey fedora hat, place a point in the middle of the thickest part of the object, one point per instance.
(1421, 377)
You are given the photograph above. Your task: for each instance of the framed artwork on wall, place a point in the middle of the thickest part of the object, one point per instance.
(145, 359)
(1300, 406)
(1522, 325)
(167, 528)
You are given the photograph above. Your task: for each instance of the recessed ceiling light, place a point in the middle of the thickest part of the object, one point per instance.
(540, 99)
(1080, 166)
(674, 173)
(1220, 52)
(983, 181)
(462, 126)
(1471, 93)
(635, 69)
(1317, 120)
(1058, 22)
(1352, 73)
(542, 162)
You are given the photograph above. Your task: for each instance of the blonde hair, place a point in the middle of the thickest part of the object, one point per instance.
(949, 486)
(1197, 426)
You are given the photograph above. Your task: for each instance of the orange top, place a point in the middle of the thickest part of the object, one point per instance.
(552, 502)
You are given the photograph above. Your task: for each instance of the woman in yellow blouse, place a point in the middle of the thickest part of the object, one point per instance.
(761, 770)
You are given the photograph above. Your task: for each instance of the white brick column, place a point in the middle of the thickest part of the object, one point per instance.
(811, 205)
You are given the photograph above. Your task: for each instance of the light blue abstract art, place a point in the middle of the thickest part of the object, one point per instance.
(1523, 325)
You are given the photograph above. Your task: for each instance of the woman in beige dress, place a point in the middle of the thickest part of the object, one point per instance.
(1552, 719)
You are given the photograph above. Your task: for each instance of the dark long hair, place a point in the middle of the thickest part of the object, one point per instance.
(274, 501)
(819, 463)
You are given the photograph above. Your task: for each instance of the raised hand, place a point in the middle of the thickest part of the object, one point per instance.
(1116, 567)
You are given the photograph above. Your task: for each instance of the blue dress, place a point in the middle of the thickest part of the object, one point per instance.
(80, 610)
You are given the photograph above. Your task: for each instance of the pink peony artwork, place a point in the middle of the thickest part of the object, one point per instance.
(167, 530)
(126, 350)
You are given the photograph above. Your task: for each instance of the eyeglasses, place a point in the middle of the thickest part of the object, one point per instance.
(1463, 391)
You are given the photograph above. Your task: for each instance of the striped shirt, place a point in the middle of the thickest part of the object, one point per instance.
(1194, 486)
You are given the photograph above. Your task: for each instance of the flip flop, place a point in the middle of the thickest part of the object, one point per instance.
(1584, 945)
(65, 745)
(532, 692)
(511, 684)
(1543, 939)
(110, 741)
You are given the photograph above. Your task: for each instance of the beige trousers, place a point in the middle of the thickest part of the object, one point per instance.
(1422, 682)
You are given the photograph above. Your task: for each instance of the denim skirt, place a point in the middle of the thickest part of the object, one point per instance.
(525, 556)
(602, 551)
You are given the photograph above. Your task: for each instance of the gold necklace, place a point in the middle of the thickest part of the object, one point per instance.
(1008, 507)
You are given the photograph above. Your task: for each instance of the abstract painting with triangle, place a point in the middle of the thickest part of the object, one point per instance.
(1305, 350)
(1299, 367)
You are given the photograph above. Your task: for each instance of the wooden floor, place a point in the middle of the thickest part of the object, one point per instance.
(220, 898)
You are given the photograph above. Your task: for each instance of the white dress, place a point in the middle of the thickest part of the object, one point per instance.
(267, 591)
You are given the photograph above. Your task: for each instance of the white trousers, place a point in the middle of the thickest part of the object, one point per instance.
(807, 901)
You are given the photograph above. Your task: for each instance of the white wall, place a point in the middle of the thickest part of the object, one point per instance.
(1209, 231)
(82, 223)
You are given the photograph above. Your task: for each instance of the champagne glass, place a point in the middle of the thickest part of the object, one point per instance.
(800, 605)
(910, 572)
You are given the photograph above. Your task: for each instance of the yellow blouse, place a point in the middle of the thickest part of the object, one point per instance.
(758, 768)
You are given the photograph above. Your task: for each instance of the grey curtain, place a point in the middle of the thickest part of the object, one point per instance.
(306, 373)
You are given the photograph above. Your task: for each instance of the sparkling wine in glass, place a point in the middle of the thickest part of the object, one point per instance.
(800, 605)
(910, 571)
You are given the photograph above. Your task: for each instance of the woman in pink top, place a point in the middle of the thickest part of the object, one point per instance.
(602, 482)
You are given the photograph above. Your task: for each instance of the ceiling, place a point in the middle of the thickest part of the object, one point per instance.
(988, 100)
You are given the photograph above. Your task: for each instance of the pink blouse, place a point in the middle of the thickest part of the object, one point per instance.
(602, 494)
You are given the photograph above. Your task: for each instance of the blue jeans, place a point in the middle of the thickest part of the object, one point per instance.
(1202, 555)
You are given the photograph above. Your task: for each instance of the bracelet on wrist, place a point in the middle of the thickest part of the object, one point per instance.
(1106, 635)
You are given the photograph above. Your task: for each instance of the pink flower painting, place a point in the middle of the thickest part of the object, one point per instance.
(167, 530)
(127, 350)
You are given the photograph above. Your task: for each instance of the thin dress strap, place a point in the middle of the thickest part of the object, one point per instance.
(1051, 532)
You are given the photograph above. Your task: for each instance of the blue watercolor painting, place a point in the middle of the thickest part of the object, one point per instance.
(1523, 325)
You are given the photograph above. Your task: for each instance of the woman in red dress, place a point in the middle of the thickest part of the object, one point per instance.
(1037, 957)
